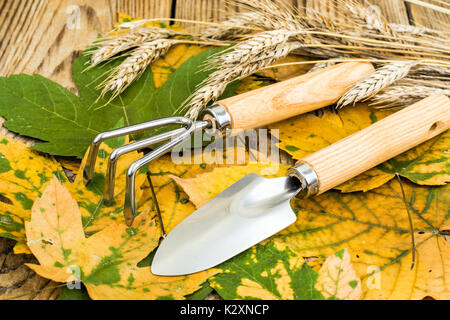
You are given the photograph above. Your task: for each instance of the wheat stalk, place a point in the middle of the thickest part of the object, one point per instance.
(109, 47)
(377, 81)
(230, 28)
(246, 58)
(134, 65)
(399, 96)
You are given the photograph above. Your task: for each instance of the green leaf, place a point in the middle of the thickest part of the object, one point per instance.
(267, 273)
(74, 294)
(40, 108)
(202, 293)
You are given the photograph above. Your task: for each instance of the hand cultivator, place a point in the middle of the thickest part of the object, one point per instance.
(250, 110)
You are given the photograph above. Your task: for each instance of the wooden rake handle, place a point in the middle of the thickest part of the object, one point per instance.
(295, 96)
(380, 142)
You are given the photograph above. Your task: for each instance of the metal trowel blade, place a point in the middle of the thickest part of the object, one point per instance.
(249, 211)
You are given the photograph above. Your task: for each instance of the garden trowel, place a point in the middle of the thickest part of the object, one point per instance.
(255, 208)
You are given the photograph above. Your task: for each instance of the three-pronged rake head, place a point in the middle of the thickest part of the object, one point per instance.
(215, 117)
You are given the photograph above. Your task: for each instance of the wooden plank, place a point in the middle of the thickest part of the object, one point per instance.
(143, 8)
(429, 18)
(210, 11)
(393, 10)
(46, 36)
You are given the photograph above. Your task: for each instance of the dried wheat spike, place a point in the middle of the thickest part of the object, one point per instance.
(247, 57)
(377, 81)
(109, 47)
(400, 96)
(413, 30)
(133, 66)
(271, 16)
(231, 27)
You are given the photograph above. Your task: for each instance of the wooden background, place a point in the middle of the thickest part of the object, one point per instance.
(45, 36)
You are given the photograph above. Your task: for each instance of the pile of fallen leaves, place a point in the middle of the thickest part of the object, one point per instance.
(349, 243)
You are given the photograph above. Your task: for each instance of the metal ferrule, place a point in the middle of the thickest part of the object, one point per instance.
(308, 178)
(218, 116)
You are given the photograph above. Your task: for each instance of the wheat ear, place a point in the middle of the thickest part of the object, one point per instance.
(233, 26)
(133, 66)
(247, 57)
(400, 96)
(377, 81)
(109, 47)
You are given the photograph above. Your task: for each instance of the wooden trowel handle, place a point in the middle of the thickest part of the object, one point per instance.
(295, 96)
(380, 142)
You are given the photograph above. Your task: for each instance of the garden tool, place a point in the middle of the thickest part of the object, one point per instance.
(250, 110)
(254, 208)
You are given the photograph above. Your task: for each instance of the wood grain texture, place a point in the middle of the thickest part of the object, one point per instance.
(210, 11)
(295, 96)
(45, 36)
(426, 17)
(18, 282)
(380, 142)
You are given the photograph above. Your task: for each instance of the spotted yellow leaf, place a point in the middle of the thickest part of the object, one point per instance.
(206, 186)
(106, 262)
(23, 175)
(374, 227)
(269, 273)
(95, 213)
(266, 273)
(338, 279)
(427, 164)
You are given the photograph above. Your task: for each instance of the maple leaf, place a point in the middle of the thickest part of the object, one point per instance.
(377, 236)
(268, 273)
(106, 262)
(427, 164)
(23, 175)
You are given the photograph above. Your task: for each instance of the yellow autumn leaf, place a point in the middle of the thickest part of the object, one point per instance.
(95, 213)
(71, 164)
(266, 272)
(205, 186)
(23, 175)
(373, 226)
(105, 262)
(338, 279)
(287, 69)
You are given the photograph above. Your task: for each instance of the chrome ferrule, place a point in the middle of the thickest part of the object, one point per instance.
(308, 178)
(218, 116)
